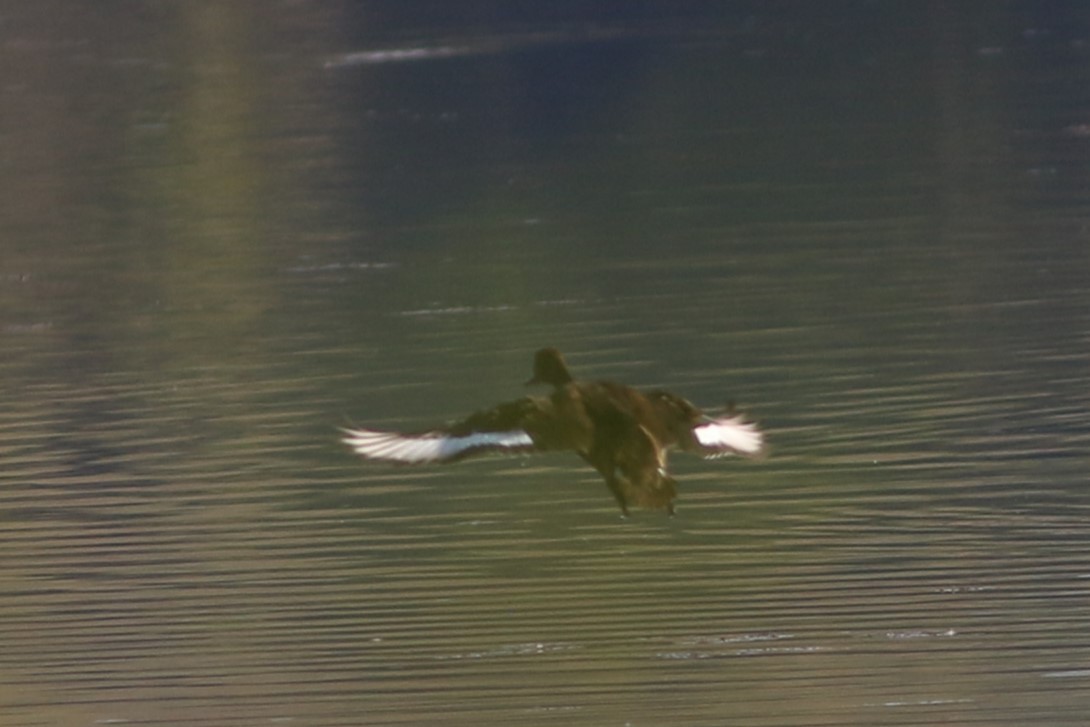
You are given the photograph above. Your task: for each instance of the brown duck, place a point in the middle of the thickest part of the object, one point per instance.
(622, 432)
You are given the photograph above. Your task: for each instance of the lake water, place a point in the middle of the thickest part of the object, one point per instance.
(230, 228)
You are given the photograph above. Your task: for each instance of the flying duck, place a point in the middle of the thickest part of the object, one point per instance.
(622, 432)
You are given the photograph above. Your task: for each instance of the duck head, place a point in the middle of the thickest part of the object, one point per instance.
(549, 368)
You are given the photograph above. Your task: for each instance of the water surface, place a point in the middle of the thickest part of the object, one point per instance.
(230, 229)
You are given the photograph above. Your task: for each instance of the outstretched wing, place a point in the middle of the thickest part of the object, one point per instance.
(503, 429)
(728, 435)
(433, 446)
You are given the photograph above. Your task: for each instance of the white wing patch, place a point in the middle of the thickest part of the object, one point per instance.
(431, 447)
(732, 435)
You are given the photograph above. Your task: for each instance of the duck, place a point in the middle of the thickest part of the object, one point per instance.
(622, 432)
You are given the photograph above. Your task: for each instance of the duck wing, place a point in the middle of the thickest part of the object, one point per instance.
(728, 435)
(434, 446)
(501, 429)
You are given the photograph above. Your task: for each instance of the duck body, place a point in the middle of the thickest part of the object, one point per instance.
(622, 432)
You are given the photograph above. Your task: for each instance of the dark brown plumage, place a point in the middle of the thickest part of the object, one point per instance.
(620, 431)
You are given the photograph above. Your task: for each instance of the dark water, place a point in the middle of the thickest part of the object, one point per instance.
(229, 228)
